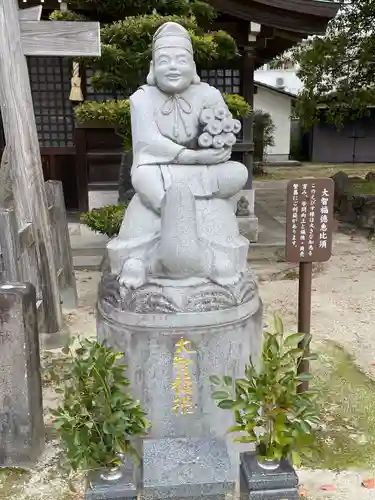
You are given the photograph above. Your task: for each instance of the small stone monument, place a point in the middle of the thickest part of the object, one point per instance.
(179, 300)
(243, 207)
(21, 407)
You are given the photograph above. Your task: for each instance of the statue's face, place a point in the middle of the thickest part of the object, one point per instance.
(174, 69)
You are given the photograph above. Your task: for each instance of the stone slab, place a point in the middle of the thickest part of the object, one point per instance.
(286, 494)
(92, 262)
(248, 227)
(122, 489)
(197, 469)
(21, 406)
(257, 483)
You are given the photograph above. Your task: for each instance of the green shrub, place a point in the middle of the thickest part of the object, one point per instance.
(264, 134)
(115, 114)
(69, 15)
(97, 418)
(105, 220)
(237, 105)
(268, 409)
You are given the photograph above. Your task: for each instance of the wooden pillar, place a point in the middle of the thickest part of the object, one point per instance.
(248, 94)
(22, 140)
(81, 169)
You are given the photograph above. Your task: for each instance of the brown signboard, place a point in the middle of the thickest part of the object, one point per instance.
(309, 220)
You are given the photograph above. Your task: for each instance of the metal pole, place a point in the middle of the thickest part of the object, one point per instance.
(304, 312)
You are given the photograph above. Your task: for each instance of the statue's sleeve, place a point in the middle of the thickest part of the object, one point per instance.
(150, 147)
(214, 97)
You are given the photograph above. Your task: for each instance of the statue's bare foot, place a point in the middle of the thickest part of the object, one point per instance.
(133, 274)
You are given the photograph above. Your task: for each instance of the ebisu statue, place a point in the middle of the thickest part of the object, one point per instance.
(181, 223)
(177, 272)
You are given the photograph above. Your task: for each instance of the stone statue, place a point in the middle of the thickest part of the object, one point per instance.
(181, 222)
(243, 207)
(176, 275)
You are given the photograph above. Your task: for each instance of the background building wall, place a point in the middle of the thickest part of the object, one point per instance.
(354, 143)
(279, 107)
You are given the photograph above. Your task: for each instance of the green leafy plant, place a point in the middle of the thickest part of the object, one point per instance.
(126, 42)
(264, 134)
(105, 220)
(97, 418)
(336, 69)
(68, 15)
(268, 410)
(237, 105)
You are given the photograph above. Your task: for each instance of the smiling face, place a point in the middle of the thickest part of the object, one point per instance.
(174, 69)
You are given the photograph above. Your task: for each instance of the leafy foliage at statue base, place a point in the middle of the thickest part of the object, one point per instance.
(105, 220)
(268, 410)
(97, 418)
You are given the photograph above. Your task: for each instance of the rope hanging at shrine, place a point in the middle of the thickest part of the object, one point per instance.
(76, 90)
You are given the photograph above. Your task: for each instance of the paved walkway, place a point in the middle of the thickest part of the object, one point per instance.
(270, 206)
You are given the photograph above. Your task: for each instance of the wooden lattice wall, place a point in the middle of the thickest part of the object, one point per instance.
(226, 80)
(50, 86)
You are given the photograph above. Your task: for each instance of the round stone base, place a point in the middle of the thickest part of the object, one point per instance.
(172, 351)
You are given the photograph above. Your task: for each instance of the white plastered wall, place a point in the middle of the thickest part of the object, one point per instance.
(279, 107)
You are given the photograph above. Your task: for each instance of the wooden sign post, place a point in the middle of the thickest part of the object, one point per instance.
(309, 229)
(21, 34)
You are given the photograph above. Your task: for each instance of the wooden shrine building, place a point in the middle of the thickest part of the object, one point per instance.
(88, 158)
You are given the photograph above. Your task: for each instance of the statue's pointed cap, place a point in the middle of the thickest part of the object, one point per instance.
(172, 34)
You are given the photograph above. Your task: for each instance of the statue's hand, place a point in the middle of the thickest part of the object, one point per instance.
(212, 156)
(207, 156)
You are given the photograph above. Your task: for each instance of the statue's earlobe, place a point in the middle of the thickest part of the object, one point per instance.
(196, 79)
(150, 77)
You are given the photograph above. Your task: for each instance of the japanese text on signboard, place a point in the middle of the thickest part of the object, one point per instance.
(309, 220)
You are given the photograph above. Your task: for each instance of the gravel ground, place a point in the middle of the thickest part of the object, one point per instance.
(343, 299)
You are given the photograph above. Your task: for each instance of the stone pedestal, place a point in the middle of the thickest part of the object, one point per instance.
(124, 488)
(248, 225)
(257, 483)
(223, 326)
(194, 469)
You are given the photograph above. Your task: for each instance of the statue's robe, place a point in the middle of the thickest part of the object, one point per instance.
(162, 126)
